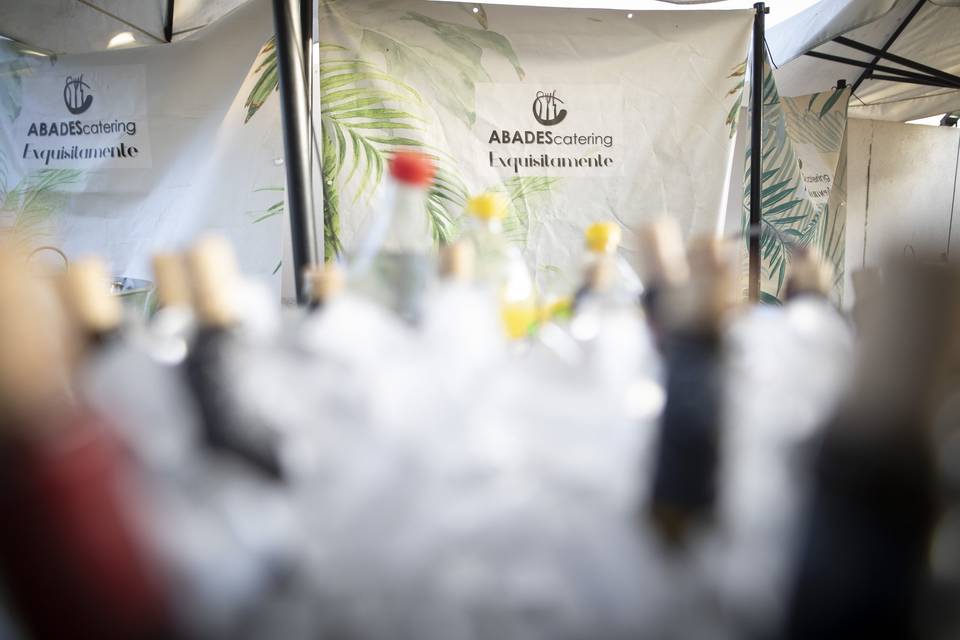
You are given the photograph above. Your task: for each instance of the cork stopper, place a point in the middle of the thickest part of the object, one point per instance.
(172, 280)
(703, 302)
(324, 283)
(663, 259)
(86, 293)
(215, 278)
(457, 261)
(809, 274)
(32, 342)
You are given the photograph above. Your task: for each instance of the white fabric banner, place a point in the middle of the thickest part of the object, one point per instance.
(578, 115)
(126, 153)
(84, 117)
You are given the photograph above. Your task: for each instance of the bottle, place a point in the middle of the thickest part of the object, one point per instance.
(500, 266)
(663, 267)
(324, 284)
(604, 270)
(172, 327)
(863, 558)
(393, 265)
(463, 330)
(809, 275)
(72, 554)
(86, 294)
(686, 469)
(231, 423)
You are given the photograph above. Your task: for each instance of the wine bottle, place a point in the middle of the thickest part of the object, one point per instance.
(230, 423)
(863, 557)
(687, 456)
(72, 555)
(664, 267)
(172, 327)
(86, 294)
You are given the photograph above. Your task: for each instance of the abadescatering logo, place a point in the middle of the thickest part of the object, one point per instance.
(548, 148)
(84, 118)
(77, 95)
(545, 109)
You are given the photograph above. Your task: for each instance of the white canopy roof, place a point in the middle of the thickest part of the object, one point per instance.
(79, 26)
(931, 38)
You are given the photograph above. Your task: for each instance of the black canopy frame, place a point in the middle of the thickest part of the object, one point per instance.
(914, 73)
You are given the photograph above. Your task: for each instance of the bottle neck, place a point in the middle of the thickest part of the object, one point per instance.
(409, 227)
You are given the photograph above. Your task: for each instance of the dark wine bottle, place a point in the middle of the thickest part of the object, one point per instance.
(687, 457)
(72, 557)
(229, 423)
(863, 559)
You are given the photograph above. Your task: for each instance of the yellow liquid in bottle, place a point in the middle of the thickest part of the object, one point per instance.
(518, 317)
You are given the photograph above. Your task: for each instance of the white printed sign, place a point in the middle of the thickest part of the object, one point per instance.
(561, 130)
(77, 117)
(816, 174)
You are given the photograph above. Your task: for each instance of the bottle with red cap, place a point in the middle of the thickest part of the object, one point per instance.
(393, 263)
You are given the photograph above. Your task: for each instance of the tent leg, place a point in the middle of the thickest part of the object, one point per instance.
(756, 149)
(296, 138)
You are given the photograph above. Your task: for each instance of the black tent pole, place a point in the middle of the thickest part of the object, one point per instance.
(756, 149)
(168, 22)
(292, 65)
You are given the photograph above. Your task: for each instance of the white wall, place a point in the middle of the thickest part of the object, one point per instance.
(902, 193)
(913, 187)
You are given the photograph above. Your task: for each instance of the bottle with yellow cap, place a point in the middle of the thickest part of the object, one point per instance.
(499, 265)
(605, 273)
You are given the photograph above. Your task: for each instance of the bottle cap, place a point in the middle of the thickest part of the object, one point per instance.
(488, 206)
(457, 261)
(86, 291)
(809, 274)
(325, 282)
(663, 258)
(173, 282)
(603, 237)
(215, 279)
(710, 292)
(412, 168)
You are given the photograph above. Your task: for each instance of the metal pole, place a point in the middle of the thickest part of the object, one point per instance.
(168, 22)
(756, 149)
(296, 138)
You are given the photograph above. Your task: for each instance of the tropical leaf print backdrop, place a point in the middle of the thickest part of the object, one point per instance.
(406, 74)
(792, 219)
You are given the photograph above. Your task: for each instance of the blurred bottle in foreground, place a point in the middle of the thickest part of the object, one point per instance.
(72, 556)
(863, 560)
(393, 263)
(500, 266)
(663, 268)
(687, 461)
(172, 327)
(231, 423)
